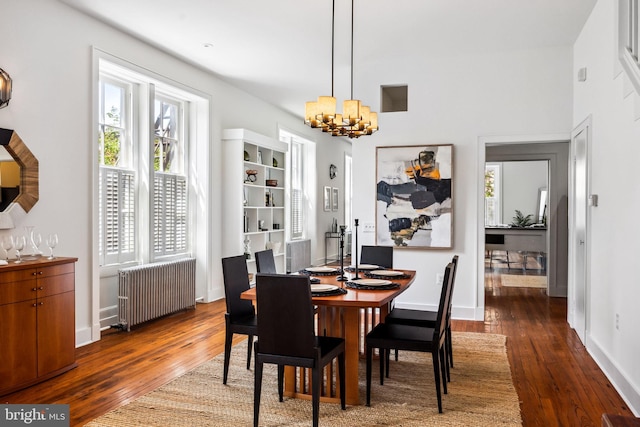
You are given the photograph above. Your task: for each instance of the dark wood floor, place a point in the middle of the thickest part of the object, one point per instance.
(556, 380)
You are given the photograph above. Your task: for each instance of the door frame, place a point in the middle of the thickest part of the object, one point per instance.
(574, 322)
(483, 142)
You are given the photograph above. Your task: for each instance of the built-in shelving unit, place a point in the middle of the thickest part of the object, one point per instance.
(254, 210)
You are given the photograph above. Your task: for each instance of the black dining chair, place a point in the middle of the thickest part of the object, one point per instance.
(286, 337)
(427, 318)
(387, 336)
(265, 263)
(381, 256)
(240, 317)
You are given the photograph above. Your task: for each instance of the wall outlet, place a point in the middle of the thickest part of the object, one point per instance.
(617, 321)
(368, 227)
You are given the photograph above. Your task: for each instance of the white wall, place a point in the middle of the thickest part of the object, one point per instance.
(458, 100)
(520, 184)
(47, 50)
(613, 241)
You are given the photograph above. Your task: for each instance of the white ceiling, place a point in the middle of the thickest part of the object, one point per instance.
(280, 50)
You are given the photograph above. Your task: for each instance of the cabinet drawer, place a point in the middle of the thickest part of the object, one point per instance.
(17, 275)
(56, 269)
(52, 285)
(17, 291)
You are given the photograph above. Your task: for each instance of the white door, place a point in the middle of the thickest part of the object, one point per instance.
(577, 310)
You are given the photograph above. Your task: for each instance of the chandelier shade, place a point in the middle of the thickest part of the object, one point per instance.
(356, 119)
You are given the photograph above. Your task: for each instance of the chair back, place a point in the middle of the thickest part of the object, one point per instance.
(265, 262)
(236, 281)
(377, 255)
(445, 297)
(454, 262)
(285, 315)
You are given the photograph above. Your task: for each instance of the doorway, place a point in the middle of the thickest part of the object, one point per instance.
(516, 205)
(555, 150)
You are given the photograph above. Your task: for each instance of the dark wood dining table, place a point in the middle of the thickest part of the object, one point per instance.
(349, 316)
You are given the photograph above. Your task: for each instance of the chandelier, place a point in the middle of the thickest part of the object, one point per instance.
(356, 119)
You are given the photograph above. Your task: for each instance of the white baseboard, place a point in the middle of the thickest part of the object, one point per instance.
(628, 391)
(83, 337)
(457, 313)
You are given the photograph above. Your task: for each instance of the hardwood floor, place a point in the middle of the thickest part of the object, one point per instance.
(557, 381)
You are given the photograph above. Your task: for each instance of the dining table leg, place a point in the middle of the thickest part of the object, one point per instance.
(351, 318)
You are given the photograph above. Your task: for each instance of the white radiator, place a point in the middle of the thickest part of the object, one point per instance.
(298, 255)
(149, 291)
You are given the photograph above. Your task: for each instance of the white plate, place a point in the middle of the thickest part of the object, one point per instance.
(372, 282)
(323, 288)
(366, 267)
(321, 269)
(389, 273)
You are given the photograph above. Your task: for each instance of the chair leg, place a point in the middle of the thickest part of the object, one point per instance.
(250, 344)
(436, 372)
(341, 370)
(281, 382)
(315, 393)
(396, 357)
(256, 393)
(369, 352)
(449, 343)
(383, 356)
(443, 367)
(227, 354)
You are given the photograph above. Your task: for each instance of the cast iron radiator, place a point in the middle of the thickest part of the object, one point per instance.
(149, 291)
(298, 255)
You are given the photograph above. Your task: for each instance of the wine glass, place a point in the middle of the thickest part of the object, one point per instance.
(19, 242)
(7, 245)
(37, 240)
(52, 241)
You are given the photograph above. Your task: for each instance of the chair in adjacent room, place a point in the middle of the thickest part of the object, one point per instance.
(240, 317)
(286, 336)
(387, 336)
(427, 318)
(381, 256)
(265, 263)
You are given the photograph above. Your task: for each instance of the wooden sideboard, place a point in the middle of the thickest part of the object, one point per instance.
(37, 321)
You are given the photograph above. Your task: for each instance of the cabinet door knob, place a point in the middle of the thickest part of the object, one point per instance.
(40, 272)
(41, 288)
(34, 289)
(34, 304)
(41, 303)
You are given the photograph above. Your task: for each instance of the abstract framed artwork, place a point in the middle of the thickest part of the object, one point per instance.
(327, 199)
(414, 198)
(335, 198)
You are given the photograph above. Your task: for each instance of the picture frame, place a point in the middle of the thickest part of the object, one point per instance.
(327, 199)
(414, 196)
(335, 198)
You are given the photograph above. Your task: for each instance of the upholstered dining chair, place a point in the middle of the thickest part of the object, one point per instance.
(265, 263)
(286, 337)
(381, 256)
(427, 318)
(387, 336)
(240, 317)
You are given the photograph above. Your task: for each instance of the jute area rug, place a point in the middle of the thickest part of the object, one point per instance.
(519, 281)
(481, 393)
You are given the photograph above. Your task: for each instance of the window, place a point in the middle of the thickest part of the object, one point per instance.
(143, 192)
(301, 180)
(492, 194)
(117, 174)
(297, 190)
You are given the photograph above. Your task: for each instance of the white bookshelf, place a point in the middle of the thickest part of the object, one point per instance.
(262, 204)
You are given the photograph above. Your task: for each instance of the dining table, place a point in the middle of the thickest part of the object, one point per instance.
(349, 310)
